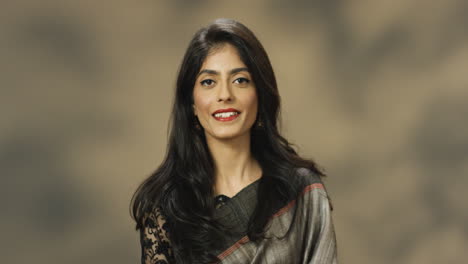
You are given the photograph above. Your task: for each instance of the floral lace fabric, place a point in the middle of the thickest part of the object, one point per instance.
(155, 245)
(307, 232)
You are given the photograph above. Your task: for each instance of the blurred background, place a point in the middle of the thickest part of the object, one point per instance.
(375, 91)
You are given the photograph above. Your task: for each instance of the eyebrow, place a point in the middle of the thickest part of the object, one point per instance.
(233, 71)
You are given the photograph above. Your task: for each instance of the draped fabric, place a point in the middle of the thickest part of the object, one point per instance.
(311, 238)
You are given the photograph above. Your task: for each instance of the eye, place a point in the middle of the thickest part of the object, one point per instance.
(207, 82)
(242, 80)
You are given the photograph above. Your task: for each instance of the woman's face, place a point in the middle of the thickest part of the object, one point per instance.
(224, 84)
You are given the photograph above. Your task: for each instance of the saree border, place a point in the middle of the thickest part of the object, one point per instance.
(281, 211)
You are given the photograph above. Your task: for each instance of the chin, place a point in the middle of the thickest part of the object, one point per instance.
(227, 134)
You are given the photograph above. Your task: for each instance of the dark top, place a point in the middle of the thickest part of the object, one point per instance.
(311, 240)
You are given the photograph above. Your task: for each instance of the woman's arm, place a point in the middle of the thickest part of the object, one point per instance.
(155, 244)
(325, 250)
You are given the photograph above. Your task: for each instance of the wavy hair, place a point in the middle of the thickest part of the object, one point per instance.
(182, 184)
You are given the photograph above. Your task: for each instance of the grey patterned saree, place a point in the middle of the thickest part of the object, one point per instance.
(311, 238)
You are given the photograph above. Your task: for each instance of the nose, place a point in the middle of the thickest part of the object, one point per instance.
(225, 92)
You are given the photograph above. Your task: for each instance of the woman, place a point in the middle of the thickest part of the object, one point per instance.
(231, 189)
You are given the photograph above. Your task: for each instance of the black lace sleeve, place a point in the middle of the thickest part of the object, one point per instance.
(155, 244)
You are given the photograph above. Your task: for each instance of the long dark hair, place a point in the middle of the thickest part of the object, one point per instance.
(182, 185)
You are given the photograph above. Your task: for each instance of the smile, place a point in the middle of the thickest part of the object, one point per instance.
(226, 116)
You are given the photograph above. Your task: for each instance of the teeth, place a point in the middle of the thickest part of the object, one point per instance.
(225, 114)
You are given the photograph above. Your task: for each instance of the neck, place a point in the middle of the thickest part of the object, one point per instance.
(235, 166)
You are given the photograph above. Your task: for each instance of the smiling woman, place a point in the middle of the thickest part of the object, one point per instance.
(231, 189)
(225, 99)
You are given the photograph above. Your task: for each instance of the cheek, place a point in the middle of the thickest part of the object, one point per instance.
(252, 103)
(201, 103)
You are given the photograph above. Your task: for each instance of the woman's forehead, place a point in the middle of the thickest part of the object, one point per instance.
(223, 57)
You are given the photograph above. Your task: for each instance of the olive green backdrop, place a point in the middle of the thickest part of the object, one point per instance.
(375, 91)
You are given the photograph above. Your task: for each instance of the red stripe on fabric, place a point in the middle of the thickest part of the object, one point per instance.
(281, 211)
(236, 245)
(308, 188)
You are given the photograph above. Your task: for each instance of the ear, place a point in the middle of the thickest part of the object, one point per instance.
(194, 109)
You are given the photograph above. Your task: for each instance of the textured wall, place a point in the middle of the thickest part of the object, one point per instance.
(374, 91)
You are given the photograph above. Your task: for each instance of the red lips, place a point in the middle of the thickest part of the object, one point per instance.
(229, 118)
(226, 110)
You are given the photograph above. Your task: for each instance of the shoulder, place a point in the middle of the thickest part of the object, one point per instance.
(307, 176)
(155, 222)
(154, 218)
(312, 187)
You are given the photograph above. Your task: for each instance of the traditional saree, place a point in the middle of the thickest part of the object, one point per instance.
(311, 238)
